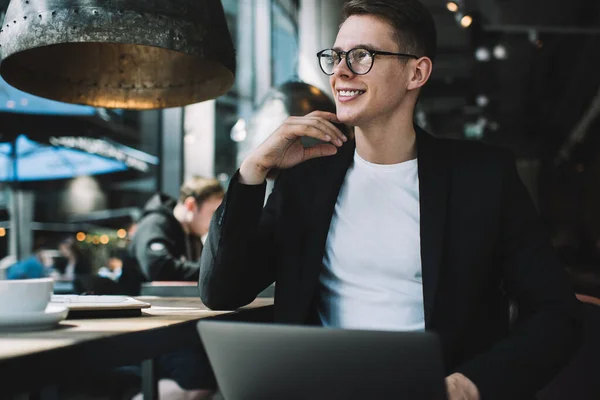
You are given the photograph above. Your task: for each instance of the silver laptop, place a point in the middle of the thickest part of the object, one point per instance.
(270, 361)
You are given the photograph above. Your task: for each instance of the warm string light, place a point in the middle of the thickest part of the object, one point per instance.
(466, 21)
(452, 6)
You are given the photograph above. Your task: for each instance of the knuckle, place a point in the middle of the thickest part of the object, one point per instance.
(287, 126)
(314, 129)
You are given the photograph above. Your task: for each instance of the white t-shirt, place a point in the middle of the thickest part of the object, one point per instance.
(372, 264)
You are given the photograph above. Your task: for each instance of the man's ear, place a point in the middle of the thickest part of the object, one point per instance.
(420, 73)
(190, 204)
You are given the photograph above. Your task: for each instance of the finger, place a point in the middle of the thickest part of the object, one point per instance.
(325, 115)
(338, 132)
(319, 150)
(310, 129)
(321, 125)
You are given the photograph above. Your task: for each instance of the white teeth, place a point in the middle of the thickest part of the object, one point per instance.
(349, 93)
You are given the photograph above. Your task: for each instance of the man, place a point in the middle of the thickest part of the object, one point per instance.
(167, 245)
(395, 229)
(168, 239)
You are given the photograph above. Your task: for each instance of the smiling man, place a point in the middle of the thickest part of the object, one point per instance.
(395, 229)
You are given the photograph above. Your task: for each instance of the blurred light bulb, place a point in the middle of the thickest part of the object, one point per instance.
(466, 21)
(482, 54)
(500, 52)
(121, 233)
(222, 177)
(80, 236)
(482, 100)
(452, 6)
(533, 35)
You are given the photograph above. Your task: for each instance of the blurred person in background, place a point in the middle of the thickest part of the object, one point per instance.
(169, 236)
(38, 265)
(75, 264)
(114, 265)
(166, 246)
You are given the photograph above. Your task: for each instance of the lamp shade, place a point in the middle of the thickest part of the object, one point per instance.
(133, 54)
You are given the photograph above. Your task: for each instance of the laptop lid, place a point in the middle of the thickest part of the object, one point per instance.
(271, 361)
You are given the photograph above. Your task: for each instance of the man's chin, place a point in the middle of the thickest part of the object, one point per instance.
(347, 119)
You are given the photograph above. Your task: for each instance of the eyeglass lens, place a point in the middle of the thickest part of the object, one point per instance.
(359, 60)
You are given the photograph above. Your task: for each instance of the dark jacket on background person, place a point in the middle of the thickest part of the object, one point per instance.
(162, 249)
(482, 246)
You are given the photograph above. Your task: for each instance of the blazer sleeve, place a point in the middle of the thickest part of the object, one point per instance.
(238, 258)
(548, 331)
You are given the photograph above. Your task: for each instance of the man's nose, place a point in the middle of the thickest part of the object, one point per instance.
(341, 69)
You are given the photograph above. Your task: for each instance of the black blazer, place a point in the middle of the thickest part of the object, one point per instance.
(481, 247)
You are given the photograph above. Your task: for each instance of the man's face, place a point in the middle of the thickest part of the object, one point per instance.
(382, 90)
(203, 215)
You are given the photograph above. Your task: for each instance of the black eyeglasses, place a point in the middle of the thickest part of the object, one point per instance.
(359, 60)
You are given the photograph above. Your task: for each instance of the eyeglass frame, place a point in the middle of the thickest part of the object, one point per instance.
(373, 53)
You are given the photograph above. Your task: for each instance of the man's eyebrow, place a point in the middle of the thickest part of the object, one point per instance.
(358, 46)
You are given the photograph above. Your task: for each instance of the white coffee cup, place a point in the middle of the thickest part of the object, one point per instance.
(25, 295)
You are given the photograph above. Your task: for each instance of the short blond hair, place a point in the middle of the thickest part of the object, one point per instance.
(201, 189)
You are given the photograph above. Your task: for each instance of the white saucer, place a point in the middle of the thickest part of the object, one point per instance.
(34, 321)
(97, 302)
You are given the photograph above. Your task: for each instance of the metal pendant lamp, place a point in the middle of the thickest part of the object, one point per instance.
(133, 54)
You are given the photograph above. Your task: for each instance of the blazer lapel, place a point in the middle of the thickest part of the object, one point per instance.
(433, 191)
(327, 184)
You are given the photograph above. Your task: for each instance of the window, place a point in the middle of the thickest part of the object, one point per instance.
(284, 44)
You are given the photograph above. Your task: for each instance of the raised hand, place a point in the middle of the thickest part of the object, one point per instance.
(283, 148)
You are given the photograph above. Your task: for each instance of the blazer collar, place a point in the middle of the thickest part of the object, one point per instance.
(433, 193)
(433, 190)
(327, 180)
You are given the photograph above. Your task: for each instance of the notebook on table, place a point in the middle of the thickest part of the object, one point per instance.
(94, 306)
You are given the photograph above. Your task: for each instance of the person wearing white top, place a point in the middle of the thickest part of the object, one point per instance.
(390, 228)
(390, 296)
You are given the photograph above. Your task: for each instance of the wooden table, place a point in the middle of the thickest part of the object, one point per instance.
(31, 360)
